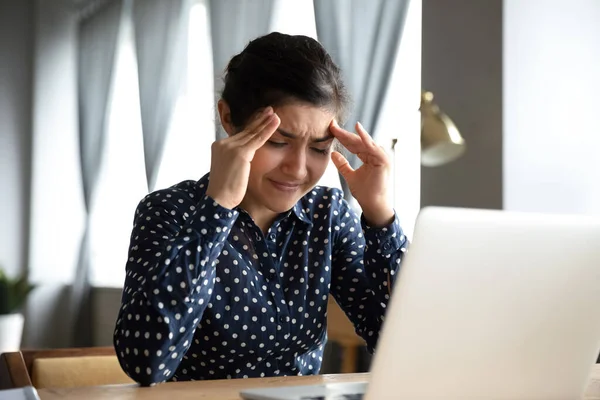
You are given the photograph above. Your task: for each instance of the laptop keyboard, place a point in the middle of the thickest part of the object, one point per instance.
(358, 396)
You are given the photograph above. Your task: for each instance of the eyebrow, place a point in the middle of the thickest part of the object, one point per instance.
(293, 136)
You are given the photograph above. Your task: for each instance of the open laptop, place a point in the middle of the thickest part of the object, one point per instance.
(23, 393)
(488, 304)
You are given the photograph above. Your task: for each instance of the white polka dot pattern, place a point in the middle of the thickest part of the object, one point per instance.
(207, 295)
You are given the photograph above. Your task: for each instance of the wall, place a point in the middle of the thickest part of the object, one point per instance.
(552, 135)
(16, 52)
(462, 66)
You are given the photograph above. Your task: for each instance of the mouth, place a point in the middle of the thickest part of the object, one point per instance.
(285, 186)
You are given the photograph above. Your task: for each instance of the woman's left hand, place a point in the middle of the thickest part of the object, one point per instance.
(369, 183)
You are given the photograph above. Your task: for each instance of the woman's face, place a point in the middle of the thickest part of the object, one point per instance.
(292, 161)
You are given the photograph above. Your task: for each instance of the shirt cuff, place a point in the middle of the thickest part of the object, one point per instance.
(389, 238)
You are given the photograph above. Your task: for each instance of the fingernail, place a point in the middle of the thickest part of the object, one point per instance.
(268, 110)
(361, 126)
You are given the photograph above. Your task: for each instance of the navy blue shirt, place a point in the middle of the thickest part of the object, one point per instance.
(207, 295)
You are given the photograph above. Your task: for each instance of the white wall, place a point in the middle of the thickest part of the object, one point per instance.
(16, 50)
(551, 102)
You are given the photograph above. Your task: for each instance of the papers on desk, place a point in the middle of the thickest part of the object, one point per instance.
(25, 393)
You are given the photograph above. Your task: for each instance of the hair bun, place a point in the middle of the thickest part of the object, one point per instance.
(235, 62)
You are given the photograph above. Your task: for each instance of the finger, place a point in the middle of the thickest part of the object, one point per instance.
(364, 135)
(256, 123)
(258, 130)
(266, 131)
(349, 140)
(376, 153)
(342, 165)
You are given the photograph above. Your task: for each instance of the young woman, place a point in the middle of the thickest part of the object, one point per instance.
(229, 276)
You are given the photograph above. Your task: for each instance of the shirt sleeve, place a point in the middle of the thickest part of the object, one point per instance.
(365, 264)
(170, 275)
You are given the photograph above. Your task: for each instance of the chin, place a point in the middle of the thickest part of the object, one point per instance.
(279, 205)
(279, 199)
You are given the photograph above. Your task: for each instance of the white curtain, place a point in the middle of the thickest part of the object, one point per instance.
(97, 41)
(161, 32)
(234, 23)
(363, 37)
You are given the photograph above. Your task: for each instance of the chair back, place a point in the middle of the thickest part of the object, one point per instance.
(61, 368)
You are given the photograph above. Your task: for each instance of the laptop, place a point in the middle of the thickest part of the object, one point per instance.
(488, 305)
(24, 393)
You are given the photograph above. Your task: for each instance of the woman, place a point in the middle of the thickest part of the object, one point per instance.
(228, 277)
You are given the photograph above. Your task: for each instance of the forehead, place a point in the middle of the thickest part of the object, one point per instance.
(304, 120)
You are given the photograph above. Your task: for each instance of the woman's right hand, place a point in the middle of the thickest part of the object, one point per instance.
(231, 157)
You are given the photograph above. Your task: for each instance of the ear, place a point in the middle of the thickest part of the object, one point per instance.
(225, 115)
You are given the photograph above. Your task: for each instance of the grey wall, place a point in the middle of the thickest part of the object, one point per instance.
(105, 307)
(16, 54)
(462, 66)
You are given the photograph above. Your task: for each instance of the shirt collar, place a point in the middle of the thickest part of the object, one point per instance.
(301, 214)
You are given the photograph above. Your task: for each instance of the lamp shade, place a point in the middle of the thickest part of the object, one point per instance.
(441, 142)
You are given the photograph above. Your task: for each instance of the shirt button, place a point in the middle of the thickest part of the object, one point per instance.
(272, 237)
(387, 246)
(282, 318)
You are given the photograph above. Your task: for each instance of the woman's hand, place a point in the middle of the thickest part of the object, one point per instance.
(231, 157)
(368, 184)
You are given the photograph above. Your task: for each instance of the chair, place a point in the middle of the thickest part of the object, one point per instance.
(341, 331)
(61, 368)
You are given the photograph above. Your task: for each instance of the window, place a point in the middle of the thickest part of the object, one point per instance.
(187, 149)
(122, 179)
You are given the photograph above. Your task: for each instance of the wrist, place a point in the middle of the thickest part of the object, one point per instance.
(378, 217)
(219, 200)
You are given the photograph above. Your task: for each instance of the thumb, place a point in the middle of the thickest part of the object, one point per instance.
(342, 164)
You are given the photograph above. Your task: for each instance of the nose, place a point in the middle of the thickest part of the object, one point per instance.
(294, 165)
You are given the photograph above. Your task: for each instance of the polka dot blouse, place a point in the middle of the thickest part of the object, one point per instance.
(207, 295)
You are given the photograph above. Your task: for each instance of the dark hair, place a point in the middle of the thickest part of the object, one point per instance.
(276, 69)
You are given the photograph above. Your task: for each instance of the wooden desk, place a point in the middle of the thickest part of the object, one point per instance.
(223, 389)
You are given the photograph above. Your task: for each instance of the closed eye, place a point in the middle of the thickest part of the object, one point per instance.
(315, 149)
(321, 151)
(276, 144)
